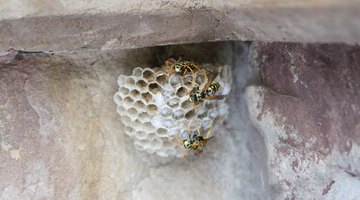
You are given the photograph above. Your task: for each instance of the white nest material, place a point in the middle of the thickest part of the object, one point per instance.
(154, 107)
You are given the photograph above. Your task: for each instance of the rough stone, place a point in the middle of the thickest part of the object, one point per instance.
(61, 137)
(308, 111)
(68, 25)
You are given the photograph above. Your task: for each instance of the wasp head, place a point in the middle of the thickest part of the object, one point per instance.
(187, 143)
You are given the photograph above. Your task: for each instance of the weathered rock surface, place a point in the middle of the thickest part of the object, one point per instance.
(61, 137)
(308, 111)
(69, 25)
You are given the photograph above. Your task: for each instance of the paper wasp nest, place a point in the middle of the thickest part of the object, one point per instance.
(154, 107)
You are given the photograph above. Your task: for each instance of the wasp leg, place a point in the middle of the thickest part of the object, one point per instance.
(185, 153)
(209, 134)
(178, 142)
(218, 97)
(197, 152)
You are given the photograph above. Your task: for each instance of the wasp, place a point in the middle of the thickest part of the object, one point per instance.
(194, 142)
(207, 93)
(182, 67)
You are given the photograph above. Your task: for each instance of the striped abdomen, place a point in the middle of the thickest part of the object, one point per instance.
(213, 88)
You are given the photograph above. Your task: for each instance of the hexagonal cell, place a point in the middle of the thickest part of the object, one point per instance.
(117, 98)
(161, 132)
(175, 80)
(137, 71)
(129, 130)
(148, 126)
(174, 102)
(202, 113)
(178, 114)
(188, 81)
(140, 135)
(174, 132)
(206, 123)
(165, 111)
(151, 108)
(187, 104)
(148, 74)
(144, 116)
(124, 90)
(132, 111)
(139, 105)
(213, 114)
(135, 93)
(156, 143)
(120, 109)
(128, 100)
(200, 79)
(161, 79)
(141, 84)
(129, 81)
(125, 119)
(210, 104)
(185, 134)
(181, 92)
(146, 96)
(135, 123)
(139, 145)
(154, 88)
(190, 114)
(168, 123)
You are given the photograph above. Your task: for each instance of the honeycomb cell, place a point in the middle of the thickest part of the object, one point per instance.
(135, 94)
(137, 72)
(173, 103)
(144, 116)
(156, 143)
(148, 126)
(148, 75)
(129, 130)
(146, 96)
(130, 81)
(128, 100)
(200, 79)
(165, 111)
(126, 119)
(141, 84)
(132, 111)
(213, 114)
(175, 81)
(139, 104)
(202, 113)
(161, 79)
(154, 88)
(120, 109)
(141, 135)
(187, 104)
(209, 104)
(206, 123)
(174, 132)
(181, 92)
(161, 132)
(124, 90)
(178, 114)
(168, 123)
(190, 114)
(151, 108)
(188, 81)
(117, 98)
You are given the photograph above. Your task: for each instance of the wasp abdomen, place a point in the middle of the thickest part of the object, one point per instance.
(213, 88)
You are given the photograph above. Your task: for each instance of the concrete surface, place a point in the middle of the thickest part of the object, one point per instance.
(68, 25)
(308, 111)
(61, 137)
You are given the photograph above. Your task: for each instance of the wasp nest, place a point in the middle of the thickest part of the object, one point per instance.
(154, 107)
